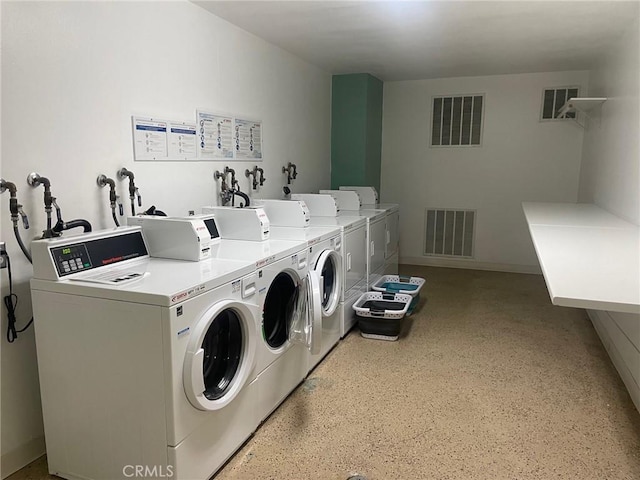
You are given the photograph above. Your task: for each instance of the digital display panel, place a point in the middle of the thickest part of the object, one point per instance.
(213, 229)
(70, 259)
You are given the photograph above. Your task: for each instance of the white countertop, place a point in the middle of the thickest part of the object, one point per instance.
(589, 257)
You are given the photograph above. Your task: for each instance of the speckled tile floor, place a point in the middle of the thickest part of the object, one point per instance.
(488, 381)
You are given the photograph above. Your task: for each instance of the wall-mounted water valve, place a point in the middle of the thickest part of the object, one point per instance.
(102, 182)
(258, 176)
(291, 171)
(133, 190)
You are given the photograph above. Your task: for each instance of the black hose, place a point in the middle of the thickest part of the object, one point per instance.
(244, 196)
(20, 243)
(61, 226)
(115, 217)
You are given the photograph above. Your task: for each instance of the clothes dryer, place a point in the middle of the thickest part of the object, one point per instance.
(366, 198)
(144, 363)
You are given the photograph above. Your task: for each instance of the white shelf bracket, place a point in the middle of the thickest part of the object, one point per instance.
(580, 105)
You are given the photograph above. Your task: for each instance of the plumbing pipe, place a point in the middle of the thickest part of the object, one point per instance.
(34, 179)
(225, 194)
(262, 179)
(290, 166)
(231, 171)
(254, 173)
(16, 210)
(103, 181)
(133, 190)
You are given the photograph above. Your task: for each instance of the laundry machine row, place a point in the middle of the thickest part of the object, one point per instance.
(290, 221)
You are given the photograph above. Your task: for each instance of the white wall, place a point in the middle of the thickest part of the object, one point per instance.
(610, 173)
(73, 74)
(521, 159)
(610, 178)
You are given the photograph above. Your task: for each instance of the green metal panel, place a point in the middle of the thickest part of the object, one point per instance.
(373, 156)
(356, 130)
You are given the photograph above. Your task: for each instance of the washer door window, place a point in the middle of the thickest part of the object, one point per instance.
(220, 355)
(329, 268)
(281, 302)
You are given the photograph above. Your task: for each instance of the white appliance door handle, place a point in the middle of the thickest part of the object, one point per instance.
(388, 237)
(349, 262)
(314, 307)
(373, 248)
(197, 372)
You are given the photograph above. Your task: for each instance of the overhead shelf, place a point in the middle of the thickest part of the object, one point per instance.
(581, 105)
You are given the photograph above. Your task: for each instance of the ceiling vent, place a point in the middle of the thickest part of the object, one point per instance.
(456, 121)
(449, 232)
(553, 99)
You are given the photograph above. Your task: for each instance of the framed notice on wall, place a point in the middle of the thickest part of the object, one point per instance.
(149, 138)
(247, 139)
(214, 132)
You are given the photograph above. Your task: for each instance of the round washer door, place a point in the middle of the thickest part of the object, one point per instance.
(220, 355)
(329, 269)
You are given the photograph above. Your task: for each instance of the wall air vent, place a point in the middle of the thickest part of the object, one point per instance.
(449, 232)
(553, 99)
(457, 121)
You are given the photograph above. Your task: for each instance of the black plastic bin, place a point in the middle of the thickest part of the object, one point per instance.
(380, 315)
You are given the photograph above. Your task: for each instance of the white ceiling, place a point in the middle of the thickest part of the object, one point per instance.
(404, 40)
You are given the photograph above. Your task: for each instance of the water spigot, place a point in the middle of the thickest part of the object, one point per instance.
(291, 171)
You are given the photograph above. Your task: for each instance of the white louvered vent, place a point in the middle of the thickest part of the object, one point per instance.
(554, 98)
(449, 232)
(457, 121)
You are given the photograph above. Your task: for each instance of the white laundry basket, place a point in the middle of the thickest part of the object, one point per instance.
(380, 314)
(401, 284)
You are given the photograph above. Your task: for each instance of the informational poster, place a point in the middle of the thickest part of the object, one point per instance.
(247, 139)
(214, 136)
(183, 141)
(149, 139)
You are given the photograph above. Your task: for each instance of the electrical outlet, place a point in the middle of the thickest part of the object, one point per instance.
(3, 255)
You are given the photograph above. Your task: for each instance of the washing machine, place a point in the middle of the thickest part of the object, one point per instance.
(289, 297)
(144, 363)
(324, 211)
(350, 204)
(289, 219)
(370, 199)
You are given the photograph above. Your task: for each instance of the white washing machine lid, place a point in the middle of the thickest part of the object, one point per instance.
(260, 253)
(311, 235)
(371, 214)
(161, 281)
(387, 207)
(344, 222)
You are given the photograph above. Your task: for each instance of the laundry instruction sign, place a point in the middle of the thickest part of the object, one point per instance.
(156, 139)
(226, 137)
